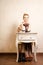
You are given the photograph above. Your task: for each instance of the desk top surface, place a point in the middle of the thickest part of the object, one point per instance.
(26, 33)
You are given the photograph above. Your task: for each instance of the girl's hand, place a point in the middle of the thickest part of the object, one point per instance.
(19, 28)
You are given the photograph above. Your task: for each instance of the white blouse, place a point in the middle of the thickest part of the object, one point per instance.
(23, 27)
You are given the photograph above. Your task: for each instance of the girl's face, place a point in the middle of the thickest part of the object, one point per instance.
(26, 18)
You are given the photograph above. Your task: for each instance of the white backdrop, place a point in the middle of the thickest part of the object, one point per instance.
(11, 12)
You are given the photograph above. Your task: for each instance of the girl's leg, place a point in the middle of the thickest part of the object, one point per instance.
(26, 51)
(30, 51)
(29, 47)
(19, 49)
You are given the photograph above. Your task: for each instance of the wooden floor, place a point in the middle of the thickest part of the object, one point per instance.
(10, 59)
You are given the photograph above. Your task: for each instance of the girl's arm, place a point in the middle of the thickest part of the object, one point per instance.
(19, 28)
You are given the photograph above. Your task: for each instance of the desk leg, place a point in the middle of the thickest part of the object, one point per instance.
(35, 52)
(17, 54)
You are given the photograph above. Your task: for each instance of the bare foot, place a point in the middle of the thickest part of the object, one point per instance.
(30, 54)
(26, 54)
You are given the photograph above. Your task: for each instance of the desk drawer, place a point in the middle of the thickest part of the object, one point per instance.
(26, 37)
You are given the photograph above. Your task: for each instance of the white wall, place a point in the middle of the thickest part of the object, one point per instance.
(11, 12)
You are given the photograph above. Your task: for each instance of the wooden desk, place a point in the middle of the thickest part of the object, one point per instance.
(26, 37)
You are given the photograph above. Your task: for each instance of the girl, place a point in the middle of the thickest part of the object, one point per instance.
(25, 26)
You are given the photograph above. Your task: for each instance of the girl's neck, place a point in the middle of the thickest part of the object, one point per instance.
(25, 22)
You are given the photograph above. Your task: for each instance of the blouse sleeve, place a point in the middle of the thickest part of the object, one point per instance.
(29, 29)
